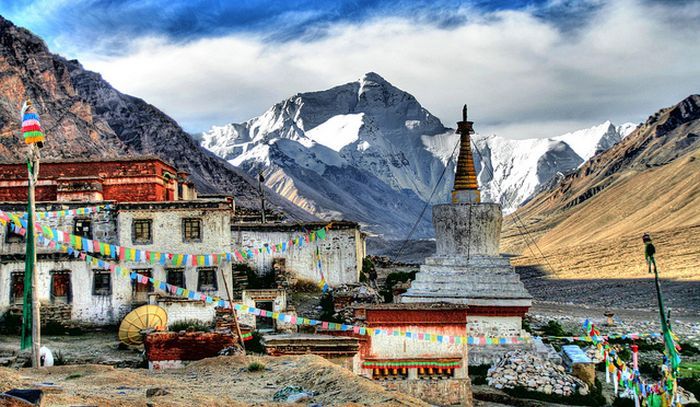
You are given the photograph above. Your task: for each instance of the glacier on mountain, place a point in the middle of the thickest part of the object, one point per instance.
(368, 151)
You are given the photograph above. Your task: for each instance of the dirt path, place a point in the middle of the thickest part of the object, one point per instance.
(221, 381)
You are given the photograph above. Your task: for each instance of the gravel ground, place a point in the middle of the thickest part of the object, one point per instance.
(221, 381)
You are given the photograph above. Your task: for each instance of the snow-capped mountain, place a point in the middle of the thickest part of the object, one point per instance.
(368, 151)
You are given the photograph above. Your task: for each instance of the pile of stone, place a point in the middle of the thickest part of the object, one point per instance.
(519, 368)
(594, 354)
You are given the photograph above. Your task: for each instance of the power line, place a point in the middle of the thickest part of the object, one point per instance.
(516, 217)
(427, 203)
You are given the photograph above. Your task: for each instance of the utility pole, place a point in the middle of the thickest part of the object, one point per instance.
(261, 179)
(33, 167)
(34, 138)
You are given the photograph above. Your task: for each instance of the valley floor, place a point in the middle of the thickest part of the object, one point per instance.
(613, 272)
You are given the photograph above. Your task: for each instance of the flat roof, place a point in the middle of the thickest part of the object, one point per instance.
(288, 226)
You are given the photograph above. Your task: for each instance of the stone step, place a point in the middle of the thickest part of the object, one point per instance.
(464, 278)
(469, 293)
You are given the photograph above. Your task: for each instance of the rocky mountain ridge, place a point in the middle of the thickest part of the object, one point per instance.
(368, 151)
(85, 117)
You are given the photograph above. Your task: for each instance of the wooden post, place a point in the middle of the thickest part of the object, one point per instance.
(233, 311)
(36, 305)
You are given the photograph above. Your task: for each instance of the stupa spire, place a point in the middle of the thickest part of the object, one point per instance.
(466, 188)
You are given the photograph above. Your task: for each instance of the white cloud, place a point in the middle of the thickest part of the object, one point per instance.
(521, 76)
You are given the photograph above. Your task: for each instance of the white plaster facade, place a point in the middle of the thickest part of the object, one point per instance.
(250, 298)
(341, 252)
(186, 310)
(115, 227)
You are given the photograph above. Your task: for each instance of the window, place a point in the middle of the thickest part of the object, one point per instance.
(175, 277)
(191, 230)
(207, 279)
(83, 228)
(102, 282)
(12, 237)
(60, 287)
(141, 231)
(17, 288)
(139, 290)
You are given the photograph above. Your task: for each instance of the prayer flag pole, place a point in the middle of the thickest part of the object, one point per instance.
(34, 138)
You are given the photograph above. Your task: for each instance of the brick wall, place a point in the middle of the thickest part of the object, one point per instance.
(188, 346)
(119, 180)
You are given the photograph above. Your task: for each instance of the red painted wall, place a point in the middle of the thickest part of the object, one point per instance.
(122, 181)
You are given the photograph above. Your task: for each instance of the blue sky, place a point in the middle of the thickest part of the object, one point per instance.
(528, 68)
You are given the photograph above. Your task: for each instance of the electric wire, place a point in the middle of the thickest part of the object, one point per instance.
(517, 218)
(427, 203)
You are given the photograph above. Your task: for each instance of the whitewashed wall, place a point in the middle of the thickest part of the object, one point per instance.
(116, 229)
(341, 253)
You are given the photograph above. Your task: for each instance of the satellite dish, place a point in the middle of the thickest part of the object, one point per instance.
(139, 322)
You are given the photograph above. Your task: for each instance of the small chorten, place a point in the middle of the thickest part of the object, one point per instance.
(466, 188)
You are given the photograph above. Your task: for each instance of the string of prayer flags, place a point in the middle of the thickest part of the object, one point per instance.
(144, 256)
(70, 212)
(322, 284)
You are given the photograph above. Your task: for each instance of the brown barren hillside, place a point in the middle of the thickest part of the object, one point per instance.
(589, 226)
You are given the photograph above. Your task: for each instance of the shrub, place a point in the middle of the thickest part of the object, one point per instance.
(256, 367)
(554, 328)
(12, 324)
(388, 291)
(254, 345)
(189, 325)
(328, 309)
(692, 385)
(478, 374)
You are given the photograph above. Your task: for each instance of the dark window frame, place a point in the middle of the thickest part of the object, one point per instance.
(16, 276)
(201, 283)
(79, 229)
(188, 228)
(12, 237)
(144, 272)
(69, 289)
(101, 291)
(175, 270)
(138, 224)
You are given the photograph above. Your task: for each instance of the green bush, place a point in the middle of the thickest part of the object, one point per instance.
(623, 402)
(12, 324)
(478, 374)
(689, 349)
(328, 309)
(256, 367)
(691, 384)
(190, 325)
(554, 328)
(388, 291)
(255, 345)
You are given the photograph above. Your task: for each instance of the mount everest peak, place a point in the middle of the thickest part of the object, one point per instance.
(368, 151)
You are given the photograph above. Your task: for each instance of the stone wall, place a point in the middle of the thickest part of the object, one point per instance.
(172, 346)
(467, 229)
(439, 392)
(341, 253)
(478, 325)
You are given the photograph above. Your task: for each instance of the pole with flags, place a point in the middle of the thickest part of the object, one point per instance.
(672, 356)
(31, 320)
